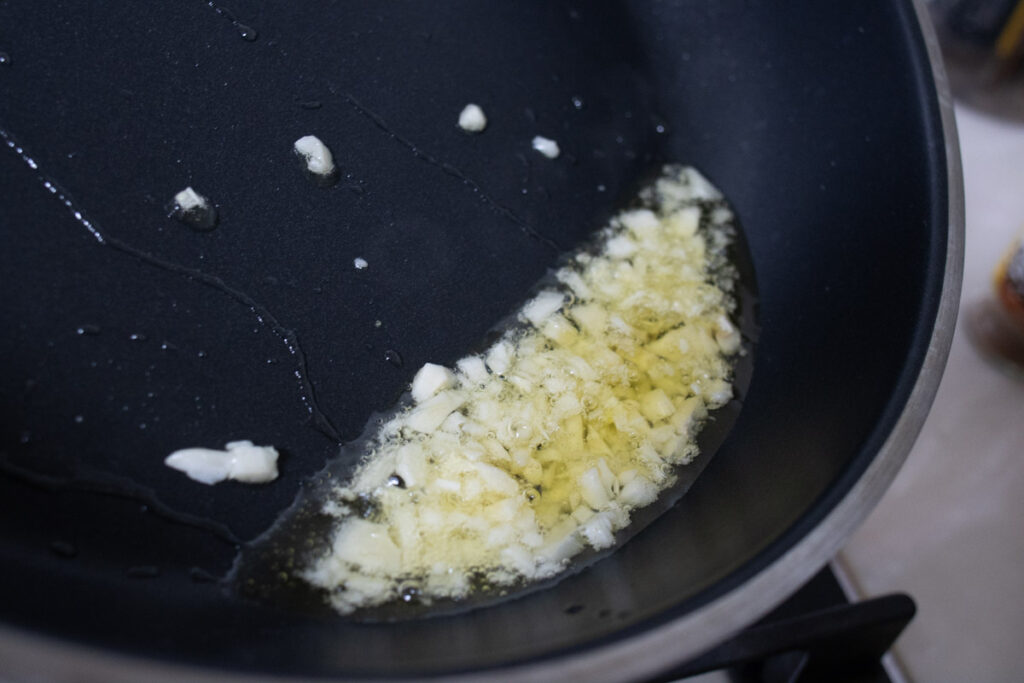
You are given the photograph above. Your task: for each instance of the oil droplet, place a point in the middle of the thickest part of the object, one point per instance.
(200, 214)
(5, 59)
(247, 32)
(577, 102)
(393, 357)
(91, 330)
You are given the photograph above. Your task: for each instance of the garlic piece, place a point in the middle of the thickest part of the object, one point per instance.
(318, 158)
(429, 380)
(546, 146)
(542, 306)
(194, 210)
(472, 119)
(189, 199)
(429, 415)
(241, 460)
(473, 368)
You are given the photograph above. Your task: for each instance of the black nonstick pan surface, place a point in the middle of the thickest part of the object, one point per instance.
(127, 335)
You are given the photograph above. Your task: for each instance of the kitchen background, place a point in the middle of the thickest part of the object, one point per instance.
(950, 531)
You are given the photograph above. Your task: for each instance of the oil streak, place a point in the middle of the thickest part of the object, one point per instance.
(119, 487)
(451, 170)
(288, 337)
(51, 186)
(247, 32)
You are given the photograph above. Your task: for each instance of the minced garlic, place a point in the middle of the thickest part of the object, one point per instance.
(515, 460)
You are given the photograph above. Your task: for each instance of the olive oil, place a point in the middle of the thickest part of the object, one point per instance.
(522, 456)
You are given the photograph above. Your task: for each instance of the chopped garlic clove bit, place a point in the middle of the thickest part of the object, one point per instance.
(241, 460)
(318, 159)
(472, 119)
(639, 492)
(429, 380)
(189, 199)
(473, 368)
(194, 210)
(429, 415)
(546, 146)
(542, 306)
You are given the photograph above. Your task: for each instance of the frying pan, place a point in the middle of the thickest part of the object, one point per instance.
(127, 335)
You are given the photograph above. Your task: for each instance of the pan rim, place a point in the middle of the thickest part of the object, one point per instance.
(27, 654)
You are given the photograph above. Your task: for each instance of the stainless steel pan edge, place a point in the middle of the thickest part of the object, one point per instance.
(31, 657)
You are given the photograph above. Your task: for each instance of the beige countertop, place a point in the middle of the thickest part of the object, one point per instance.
(950, 531)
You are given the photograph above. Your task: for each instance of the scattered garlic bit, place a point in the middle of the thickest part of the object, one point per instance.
(319, 160)
(543, 445)
(194, 209)
(241, 461)
(189, 199)
(429, 380)
(547, 147)
(472, 119)
(360, 263)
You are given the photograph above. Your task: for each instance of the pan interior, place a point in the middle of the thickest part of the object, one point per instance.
(818, 122)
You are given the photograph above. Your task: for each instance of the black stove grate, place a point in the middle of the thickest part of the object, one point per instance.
(816, 635)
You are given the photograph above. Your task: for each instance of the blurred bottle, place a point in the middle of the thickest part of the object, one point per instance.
(983, 47)
(996, 324)
(1008, 281)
